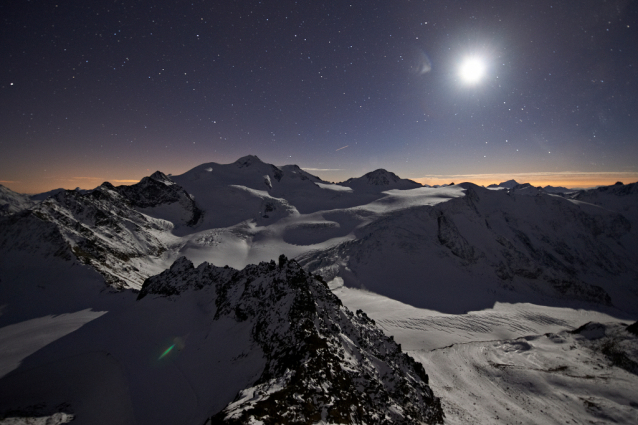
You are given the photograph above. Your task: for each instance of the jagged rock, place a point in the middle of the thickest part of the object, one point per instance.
(99, 228)
(322, 361)
(28, 231)
(159, 190)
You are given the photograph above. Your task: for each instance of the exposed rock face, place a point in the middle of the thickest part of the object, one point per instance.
(323, 363)
(100, 228)
(159, 189)
(107, 227)
(617, 343)
(183, 276)
(450, 237)
(28, 231)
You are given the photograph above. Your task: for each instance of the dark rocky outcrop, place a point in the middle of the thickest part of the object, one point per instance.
(159, 189)
(323, 362)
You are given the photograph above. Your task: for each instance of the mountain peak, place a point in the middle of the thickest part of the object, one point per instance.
(380, 179)
(510, 184)
(248, 160)
(162, 178)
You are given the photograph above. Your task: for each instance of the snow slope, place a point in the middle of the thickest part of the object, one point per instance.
(249, 189)
(584, 376)
(622, 198)
(488, 246)
(516, 363)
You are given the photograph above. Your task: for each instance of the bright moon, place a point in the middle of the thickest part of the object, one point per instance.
(472, 70)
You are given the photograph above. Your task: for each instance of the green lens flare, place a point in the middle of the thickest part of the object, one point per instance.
(168, 350)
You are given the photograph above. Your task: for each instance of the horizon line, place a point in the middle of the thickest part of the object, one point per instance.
(568, 179)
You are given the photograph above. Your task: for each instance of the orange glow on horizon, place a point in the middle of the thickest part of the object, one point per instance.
(571, 180)
(85, 183)
(568, 180)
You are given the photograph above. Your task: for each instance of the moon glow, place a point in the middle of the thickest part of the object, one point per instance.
(472, 70)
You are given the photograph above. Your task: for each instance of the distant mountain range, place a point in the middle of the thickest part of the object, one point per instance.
(523, 242)
(206, 254)
(512, 184)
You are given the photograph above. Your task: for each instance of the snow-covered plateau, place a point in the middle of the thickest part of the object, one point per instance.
(248, 293)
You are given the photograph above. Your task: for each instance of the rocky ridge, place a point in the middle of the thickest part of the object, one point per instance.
(324, 364)
(99, 228)
(120, 231)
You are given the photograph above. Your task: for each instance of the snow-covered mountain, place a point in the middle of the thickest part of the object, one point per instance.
(510, 184)
(244, 190)
(489, 246)
(12, 202)
(520, 244)
(432, 266)
(513, 184)
(619, 197)
(380, 180)
(100, 228)
(558, 189)
(160, 197)
(250, 189)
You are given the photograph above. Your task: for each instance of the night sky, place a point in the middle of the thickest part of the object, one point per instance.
(114, 90)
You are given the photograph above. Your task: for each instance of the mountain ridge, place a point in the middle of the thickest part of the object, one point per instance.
(163, 214)
(322, 360)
